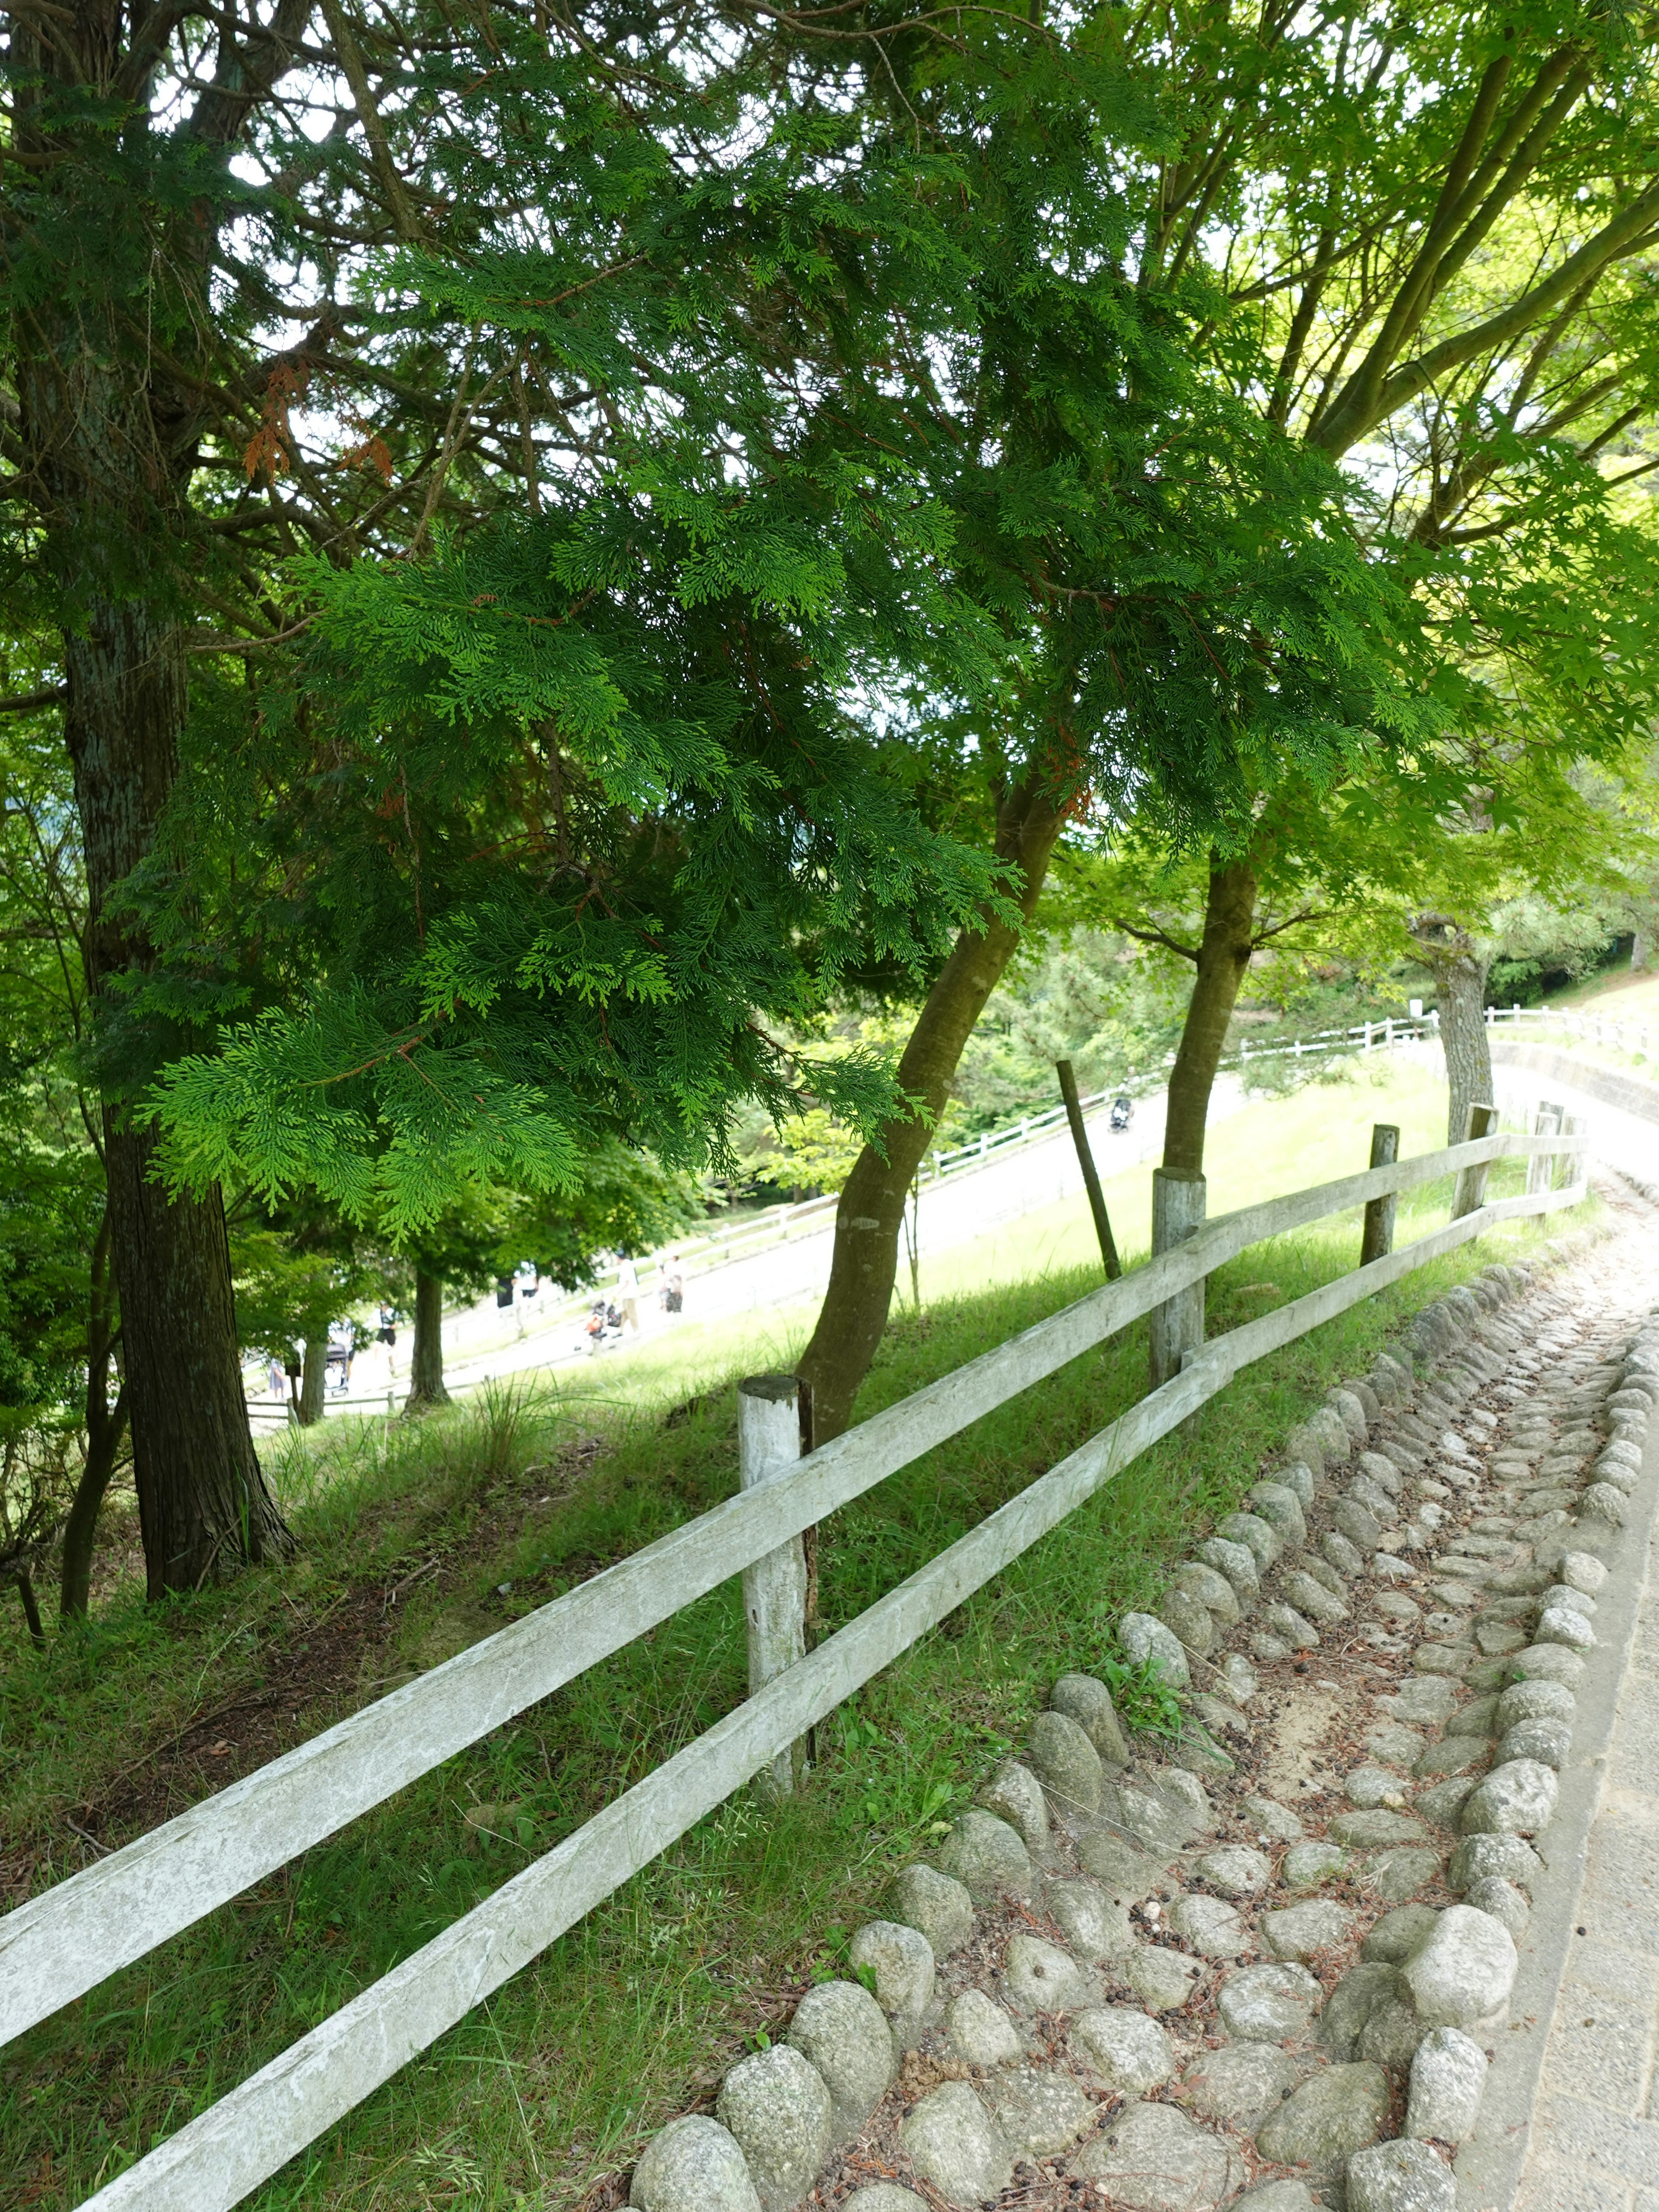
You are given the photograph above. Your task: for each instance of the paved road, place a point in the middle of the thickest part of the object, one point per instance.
(955, 1211)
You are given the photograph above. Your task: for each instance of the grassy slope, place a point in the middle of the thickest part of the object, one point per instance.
(543, 2092)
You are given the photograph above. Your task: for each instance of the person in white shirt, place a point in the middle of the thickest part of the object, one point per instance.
(628, 1292)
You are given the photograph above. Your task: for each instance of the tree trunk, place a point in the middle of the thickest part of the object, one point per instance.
(105, 1425)
(108, 451)
(871, 1213)
(425, 1364)
(1223, 956)
(30, 1610)
(313, 1382)
(1458, 968)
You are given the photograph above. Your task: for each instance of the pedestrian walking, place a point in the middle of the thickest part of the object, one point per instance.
(673, 1284)
(628, 1292)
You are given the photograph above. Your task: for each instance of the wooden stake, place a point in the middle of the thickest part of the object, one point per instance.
(1377, 1237)
(1086, 1161)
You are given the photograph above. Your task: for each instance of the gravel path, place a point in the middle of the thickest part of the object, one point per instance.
(1274, 1971)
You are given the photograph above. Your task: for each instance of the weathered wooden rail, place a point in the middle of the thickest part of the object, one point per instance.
(58, 1945)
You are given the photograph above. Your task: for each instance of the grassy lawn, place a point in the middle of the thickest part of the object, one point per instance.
(417, 1539)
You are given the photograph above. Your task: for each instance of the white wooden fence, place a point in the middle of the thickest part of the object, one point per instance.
(62, 1943)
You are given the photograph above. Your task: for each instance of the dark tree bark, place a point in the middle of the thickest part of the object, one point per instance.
(871, 1213)
(106, 1426)
(1458, 968)
(1223, 957)
(426, 1366)
(314, 1383)
(109, 445)
(30, 1610)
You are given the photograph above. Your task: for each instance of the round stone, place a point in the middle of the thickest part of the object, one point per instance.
(1352, 2002)
(1152, 2158)
(1039, 1976)
(1534, 1701)
(1239, 2084)
(979, 2031)
(884, 2196)
(1399, 1933)
(1093, 1924)
(901, 1960)
(1368, 1830)
(1213, 1928)
(1583, 1571)
(1039, 2110)
(1295, 1475)
(1564, 1623)
(1390, 2034)
(1253, 1533)
(1015, 1794)
(1209, 1588)
(1552, 1662)
(924, 1898)
(1466, 1970)
(1267, 2004)
(1272, 2196)
(694, 2164)
(1547, 1742)
(1129, 2050)
(1506, 1856)
(987, 1857)
(1235, 1869)
(1236, 1563)
(843, 2031)
(1285, 1622)
(777, 2109)
(1361, 1527)
(1395, 1875)
(1516, 1799)
(1345, 1556)
(1189, 1620)
(1448, 2077)
(1162, 1978)
(1302, 1931)
(1333, 2114)
(1491, 1893)
(1148, 1641)
(1305, 1866)
(1066, 1764)
(1089, 1703)
(1565, 1594)
(1400, 2177)
(952, 2141)
(1310, 1597)
(1277, 1504)
(1601, 1501)
(1271, 1820)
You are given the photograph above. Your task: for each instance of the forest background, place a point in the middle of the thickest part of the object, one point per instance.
(587, 592)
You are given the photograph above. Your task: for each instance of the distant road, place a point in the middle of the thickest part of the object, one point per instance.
(954, 1212)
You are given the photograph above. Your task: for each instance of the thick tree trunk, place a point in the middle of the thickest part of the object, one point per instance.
(107, 447)
(313, 1382)
(106, 1426)
(203, 1504)
(871, 1213)
(425, 1364)
(1223, 956)
(1458, 968)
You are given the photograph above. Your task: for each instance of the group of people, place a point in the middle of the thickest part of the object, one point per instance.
(611, 1318)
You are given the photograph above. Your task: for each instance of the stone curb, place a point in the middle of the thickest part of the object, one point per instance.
(1489, 2165)
(792, 2105)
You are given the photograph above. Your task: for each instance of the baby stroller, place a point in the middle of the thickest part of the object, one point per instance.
(602, 1327)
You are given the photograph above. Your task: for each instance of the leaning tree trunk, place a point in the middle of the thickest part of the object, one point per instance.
(1223, 955)
(426, 1366)
(871, 1213)
(1458, 968)
(106, 1426)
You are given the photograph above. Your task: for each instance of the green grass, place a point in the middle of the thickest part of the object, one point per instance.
(548, 2089)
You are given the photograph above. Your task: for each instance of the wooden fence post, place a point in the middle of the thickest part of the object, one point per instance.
(1376, 1237)
(1540, 1168)
(1471, 1190)
(773, 1588)
(1177, 1326)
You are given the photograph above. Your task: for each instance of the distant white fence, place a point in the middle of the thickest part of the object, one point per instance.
(64, 1942)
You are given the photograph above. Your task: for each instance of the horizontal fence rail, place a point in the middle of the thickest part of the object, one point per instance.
(215, 2160)
(62, 1943)
(58, 1945)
